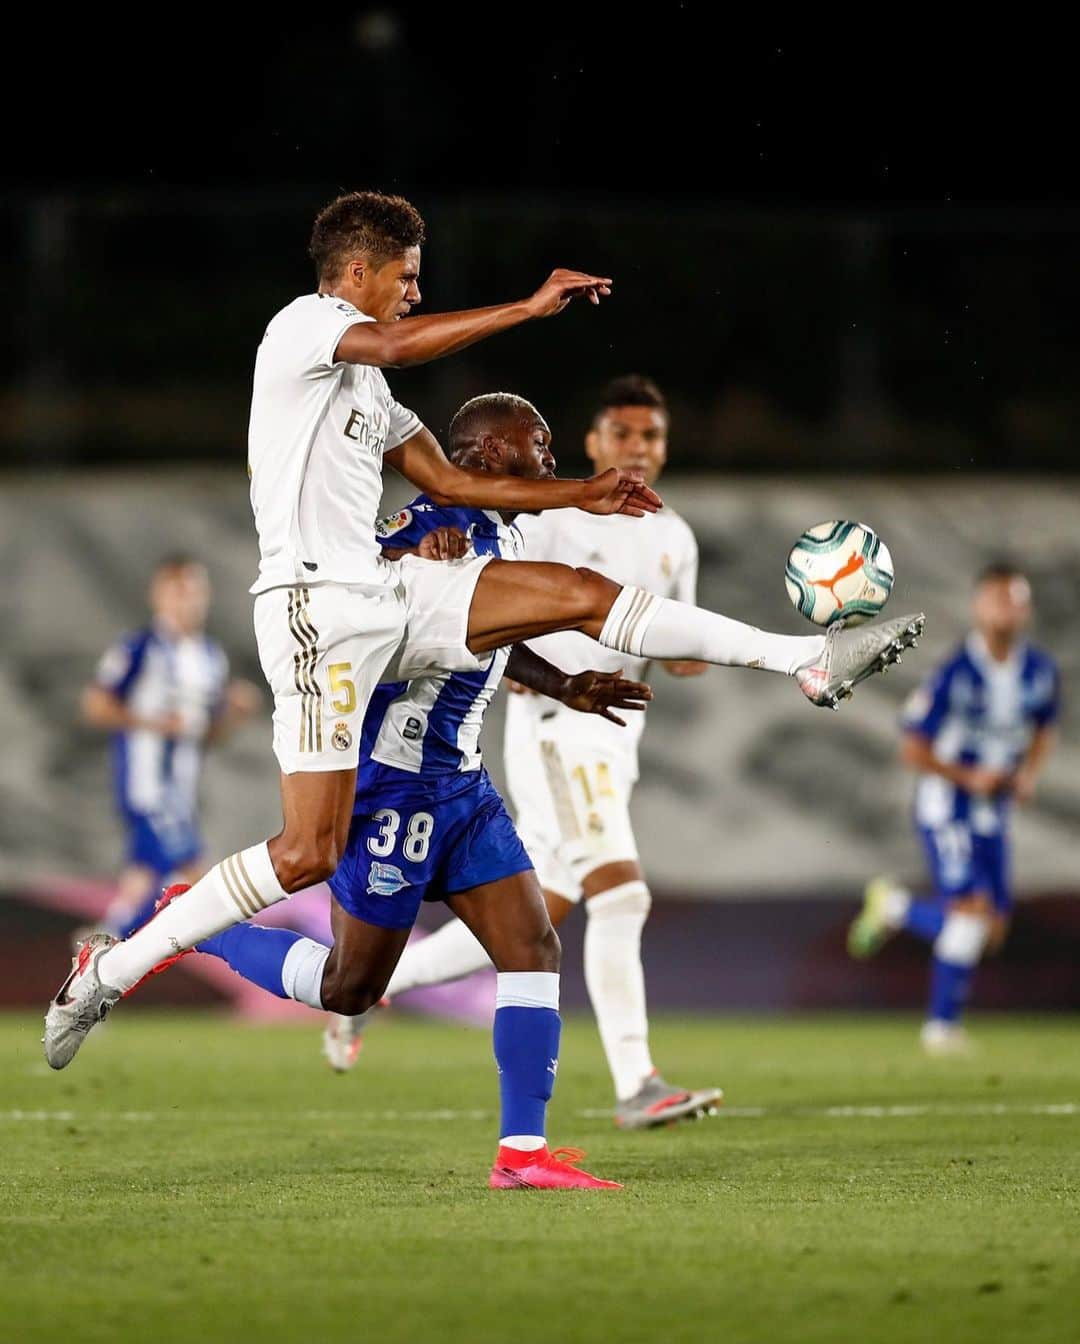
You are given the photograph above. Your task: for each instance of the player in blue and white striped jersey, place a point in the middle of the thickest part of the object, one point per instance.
(428, 824)
(977, 734)
(163, 692)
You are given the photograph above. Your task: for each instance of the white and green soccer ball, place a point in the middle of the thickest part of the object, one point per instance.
(837, 571)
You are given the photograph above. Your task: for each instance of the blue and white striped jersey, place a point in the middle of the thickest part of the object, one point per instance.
(977, 711)
(156, 674)
(435, 725)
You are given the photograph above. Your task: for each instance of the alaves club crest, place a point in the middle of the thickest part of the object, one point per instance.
(384, 879)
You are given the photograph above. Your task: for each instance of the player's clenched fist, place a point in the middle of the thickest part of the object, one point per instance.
(562, 286)
(444, 543)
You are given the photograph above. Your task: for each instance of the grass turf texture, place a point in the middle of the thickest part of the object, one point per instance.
(189, 1178)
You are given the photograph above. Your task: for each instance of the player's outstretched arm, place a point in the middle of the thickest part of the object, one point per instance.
(416, 340)
(421, 461)
(587, 692)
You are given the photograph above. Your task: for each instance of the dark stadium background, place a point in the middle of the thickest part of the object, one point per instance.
(844, 252)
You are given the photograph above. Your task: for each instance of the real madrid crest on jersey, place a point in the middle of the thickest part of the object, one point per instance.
(386, 527)
(341, 738)
(667, 568)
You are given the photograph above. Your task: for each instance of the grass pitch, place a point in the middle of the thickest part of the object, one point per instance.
(193, 1179)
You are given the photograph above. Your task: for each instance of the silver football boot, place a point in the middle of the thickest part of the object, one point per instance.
(658, 1103)
(853, 653)
(80, 1004)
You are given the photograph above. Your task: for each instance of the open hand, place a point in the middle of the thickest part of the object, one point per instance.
(601, 692)
(562, 286)
(620, 490)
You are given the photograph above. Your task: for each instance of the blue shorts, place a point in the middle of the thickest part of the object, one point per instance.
(161, 843)
(423, 840)
(962, 863)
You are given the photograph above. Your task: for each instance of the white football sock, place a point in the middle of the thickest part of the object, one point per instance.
(447, 954)
(302, 972)
(615, 979)
(647, 626)
(897, 904)
(232, 891)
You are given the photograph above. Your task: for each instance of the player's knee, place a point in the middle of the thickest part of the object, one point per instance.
(347, 993)
(963, 938)
(538, 950)
(628, 898)
(592, 594)
(304, 862)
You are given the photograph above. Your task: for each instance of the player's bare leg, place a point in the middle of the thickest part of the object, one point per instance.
(357, 972)
(521, 600)
(317, 809)
(511, 922)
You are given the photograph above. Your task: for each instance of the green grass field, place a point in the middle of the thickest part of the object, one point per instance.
(192, 1179)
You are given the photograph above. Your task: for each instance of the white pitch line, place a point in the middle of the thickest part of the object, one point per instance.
(1060, 1108)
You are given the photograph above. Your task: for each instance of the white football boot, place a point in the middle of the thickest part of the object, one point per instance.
(342, 1041)
(80, 1004)
(851, 654)
(944, 1039)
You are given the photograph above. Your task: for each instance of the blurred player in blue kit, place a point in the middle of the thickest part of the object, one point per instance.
(977, 733)
(163, 694)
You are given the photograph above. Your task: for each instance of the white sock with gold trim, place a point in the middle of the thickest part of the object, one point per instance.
(233, 890)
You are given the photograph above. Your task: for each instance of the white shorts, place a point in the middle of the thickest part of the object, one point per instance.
(437, 595)
(325, 647)
(573, 809)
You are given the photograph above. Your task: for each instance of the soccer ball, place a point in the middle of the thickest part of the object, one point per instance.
(839, 570)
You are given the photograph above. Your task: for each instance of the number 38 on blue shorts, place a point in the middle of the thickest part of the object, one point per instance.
(416, 840)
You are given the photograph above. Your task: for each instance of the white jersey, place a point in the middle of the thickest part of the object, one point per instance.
(316, 437)
(657, 552)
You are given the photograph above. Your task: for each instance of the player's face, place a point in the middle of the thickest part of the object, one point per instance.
(1003, 607)
(528, 445)
(629, 436)
(180, 598)
(391, 290)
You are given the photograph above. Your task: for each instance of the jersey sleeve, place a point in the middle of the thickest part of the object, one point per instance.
(221, 679)
(120, 663)
(1047, 709)
(315, 331)
(926, 708)
(684, 580)
(403, 423)
(410, 526)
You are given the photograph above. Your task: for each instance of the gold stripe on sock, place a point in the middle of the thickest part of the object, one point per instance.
(241, 900)
(245, 877)
(628, 618)
(635, 624)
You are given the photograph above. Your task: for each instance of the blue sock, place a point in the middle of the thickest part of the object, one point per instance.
(138, 917)
(950, 986)
(255, 952)
(924, 919)
(526, 1037)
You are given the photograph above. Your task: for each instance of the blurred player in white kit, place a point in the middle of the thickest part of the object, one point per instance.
(571, 776)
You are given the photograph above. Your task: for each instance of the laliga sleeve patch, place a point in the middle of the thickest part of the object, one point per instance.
(386, 527)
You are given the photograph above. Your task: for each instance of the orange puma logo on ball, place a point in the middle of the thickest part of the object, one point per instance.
(854, 564)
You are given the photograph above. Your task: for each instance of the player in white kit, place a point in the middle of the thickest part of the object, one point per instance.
(333, 616)
(571, 776)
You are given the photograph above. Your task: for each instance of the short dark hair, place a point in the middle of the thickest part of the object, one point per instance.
(630, 389)
(1001, 568)
(178, 560)
(482, 413)
(365, 222)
